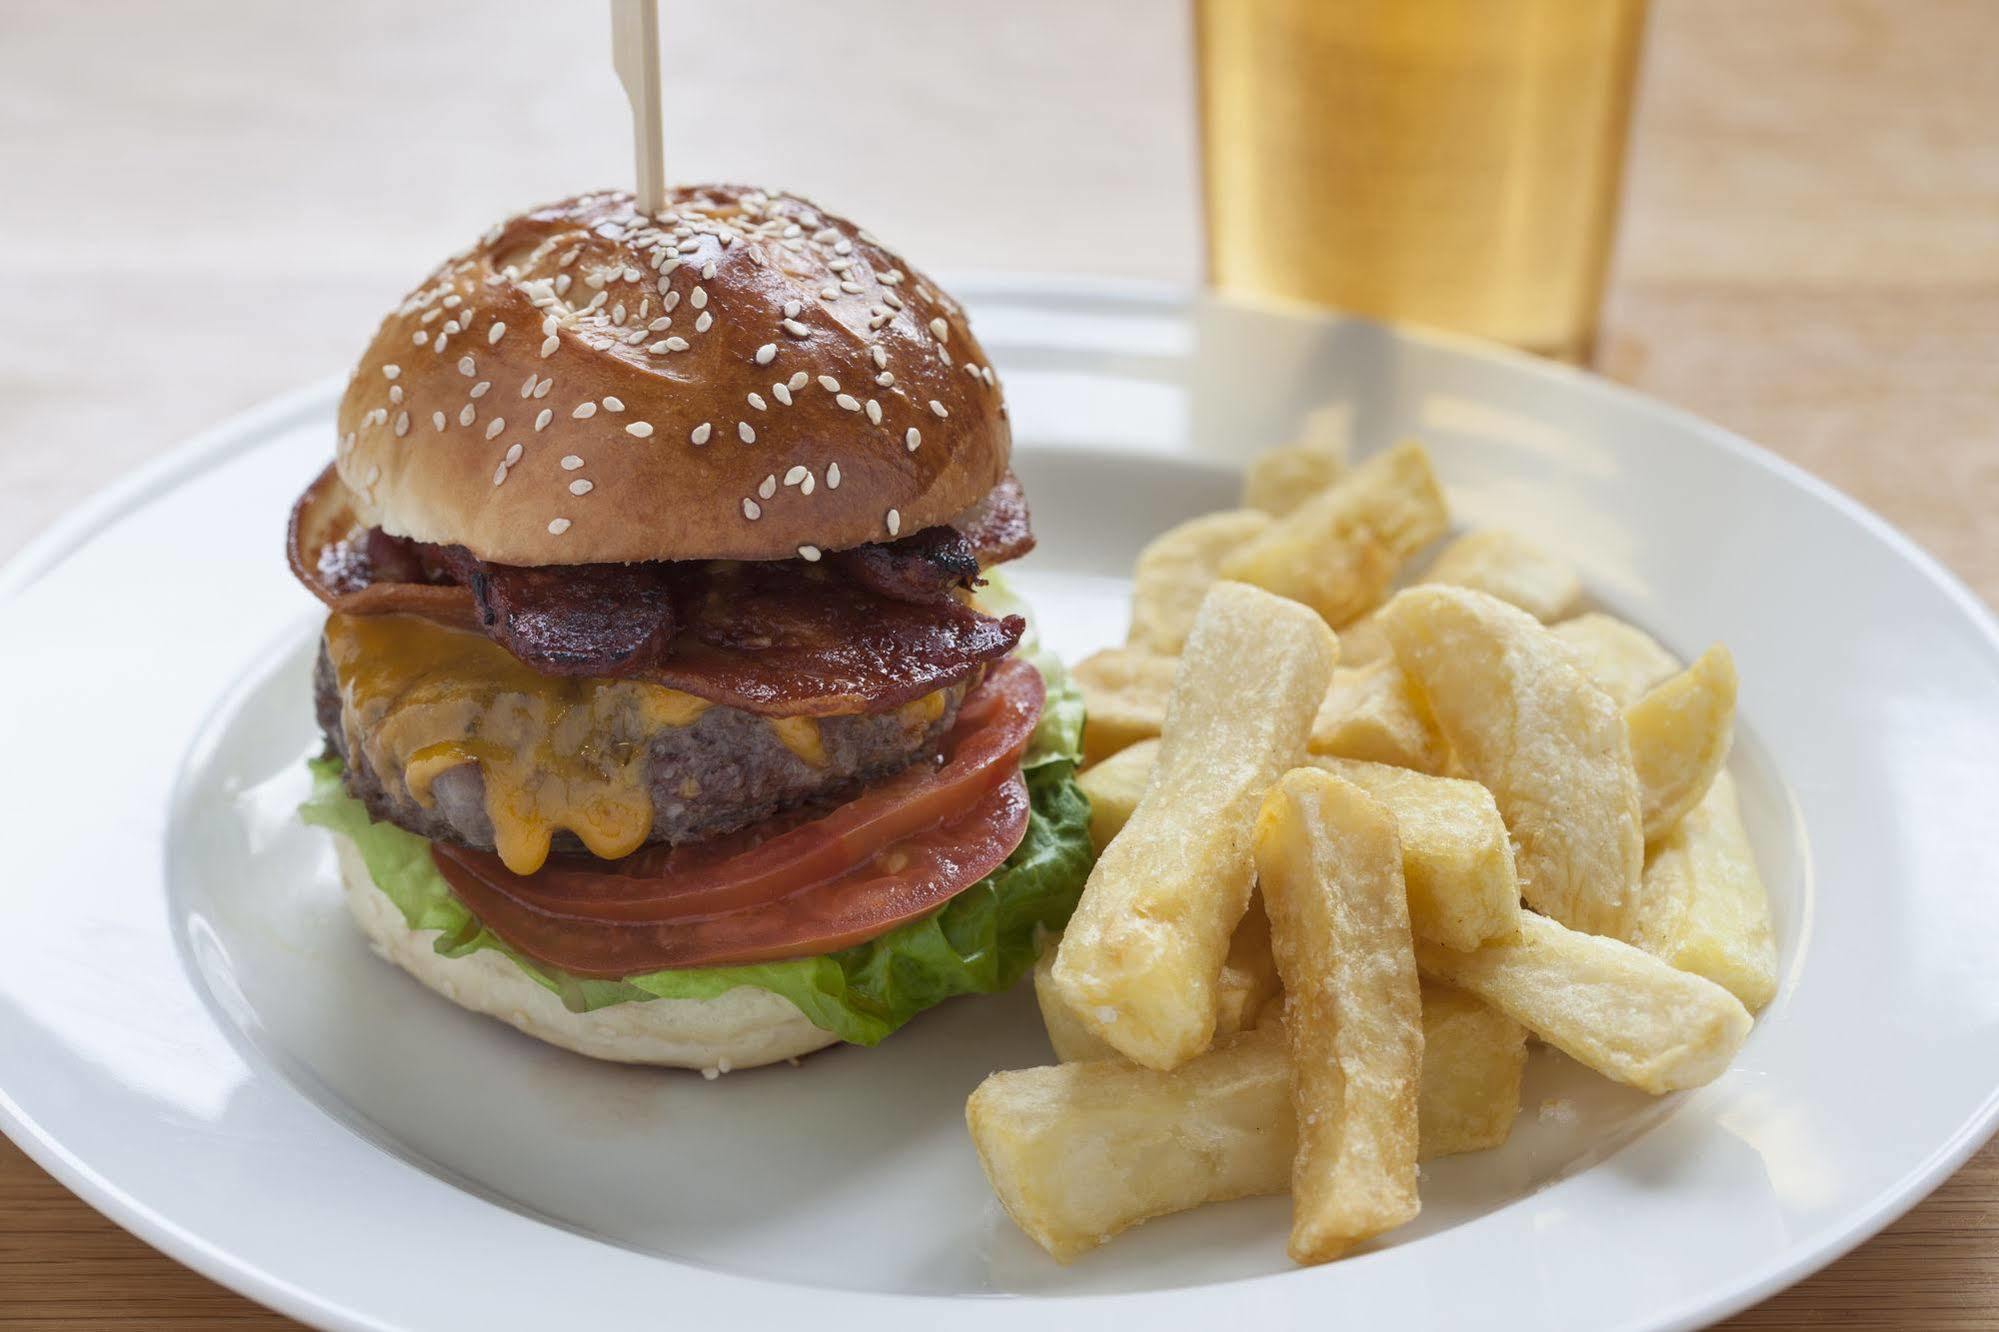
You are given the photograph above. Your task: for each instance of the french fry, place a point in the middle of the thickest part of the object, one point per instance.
(1279, 480)
(1680, 734)
(1602, 1002)
(1705, 909)
(1124, 697)
(1552, 748)
(1114, 787)
(1330, 869)
(1622, 658)
(1176, 569)
(1373, 714)
(1492, 560)
(1080, 1151)
(1456, 858)
(1141, 955)
(1473, 1059)
(1339, 551)
(1243, 992)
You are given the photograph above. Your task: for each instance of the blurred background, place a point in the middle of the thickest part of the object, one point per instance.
(203, 204)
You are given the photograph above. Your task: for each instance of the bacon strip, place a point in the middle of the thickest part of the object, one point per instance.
(999, 526)
(779, 637)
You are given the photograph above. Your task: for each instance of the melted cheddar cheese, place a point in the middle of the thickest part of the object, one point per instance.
(418, 699)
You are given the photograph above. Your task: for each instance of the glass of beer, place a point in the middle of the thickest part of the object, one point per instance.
(1446, 162)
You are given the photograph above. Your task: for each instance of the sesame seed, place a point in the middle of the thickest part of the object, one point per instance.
(848, 401)
(796, 474)
(640, 429)
(541, 389)
(940, 329)
(549, 324)
(698, 297)
(583, 411)
(570, 462)
(832, 476)
(499, 474)
(874, 411)
(943, 353)
(938, 408)
(767, 353)
(880, 354)
(781, 393)
(467, 415)
(658, 348)
(580, 486)
(495, 333)
(700, 433)
(913, 438)
(894, 522)
(527, 385)
(894, 301)
(672, 298)
(808, 553)
(391, 371)
(704, 323)
(479, 389)
(708, 269)
(757, 401)
(751, 509)
(419, 337)
(549, 344)
(830, 384)
(676, 344)
(768, 487)
(495, 426)
(798, 381)
(513, 454)
(829, 293)
(396, 394)
(885, 379)
(791, 309)
(402, 424)
(796, 329)
(450, 326)
(613, 404)
(660, 324)
(557, 526)
(465, 367)
(745, 432)
(437, 421)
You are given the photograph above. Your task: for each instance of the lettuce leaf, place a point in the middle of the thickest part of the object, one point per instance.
(980, 942)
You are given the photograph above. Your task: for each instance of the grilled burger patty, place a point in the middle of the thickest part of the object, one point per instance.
(723, 770)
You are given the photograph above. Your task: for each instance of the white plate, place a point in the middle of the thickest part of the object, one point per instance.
(194, 1039)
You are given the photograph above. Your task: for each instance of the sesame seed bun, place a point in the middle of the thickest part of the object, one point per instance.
(743, 377)
(740, 1028)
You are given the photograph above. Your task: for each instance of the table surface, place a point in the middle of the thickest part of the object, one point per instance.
(214, 209)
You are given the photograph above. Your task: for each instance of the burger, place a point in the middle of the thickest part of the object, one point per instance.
(672, 710)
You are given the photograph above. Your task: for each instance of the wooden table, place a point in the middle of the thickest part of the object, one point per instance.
(1810, 255)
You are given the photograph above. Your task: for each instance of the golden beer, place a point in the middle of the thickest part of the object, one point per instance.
(1447, 162)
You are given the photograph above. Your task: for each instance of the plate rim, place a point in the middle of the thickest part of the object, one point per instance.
(246, 430)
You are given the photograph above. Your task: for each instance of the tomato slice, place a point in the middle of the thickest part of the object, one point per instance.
(791, 888)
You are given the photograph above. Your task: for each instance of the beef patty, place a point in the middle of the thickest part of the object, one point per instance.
(724, 770)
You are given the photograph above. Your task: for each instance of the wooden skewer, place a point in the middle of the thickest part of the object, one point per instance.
(635, 52)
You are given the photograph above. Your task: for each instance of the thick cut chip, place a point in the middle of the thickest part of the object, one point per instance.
(1473, 1059)
(1080, 1151)
(1124, 698)
(1176, 569)
(1680, 733)
(1339, 551)
(1373, 714)
(1114, 787)
(1456, 858)
(1615, 1008)
(1279, 480)
(1330, 869)
(1243, 992)
(1493, 560)
(1705, 909)
(1141, 956)
(1622, 658)
(1549, 744)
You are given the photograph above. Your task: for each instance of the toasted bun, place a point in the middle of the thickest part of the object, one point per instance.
(741, 1028)
(531, 402)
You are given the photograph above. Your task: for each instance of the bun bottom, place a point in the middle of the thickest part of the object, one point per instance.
(742, 1028)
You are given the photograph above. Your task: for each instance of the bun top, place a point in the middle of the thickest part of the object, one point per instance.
(744, 376)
